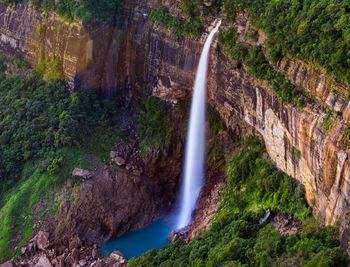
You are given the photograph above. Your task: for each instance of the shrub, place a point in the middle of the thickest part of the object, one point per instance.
(153, 128)
(329, 121)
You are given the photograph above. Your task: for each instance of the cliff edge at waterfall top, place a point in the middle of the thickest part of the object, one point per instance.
(174, 133)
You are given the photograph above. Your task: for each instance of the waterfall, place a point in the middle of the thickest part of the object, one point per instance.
(195, 146)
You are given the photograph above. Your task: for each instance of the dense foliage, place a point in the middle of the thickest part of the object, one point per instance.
(190, 23)
(44, 134)
(318, 31)
(181, 26)
(84, 10)
(254, 58)
(251, 56)
(237, 239)
(37, 118)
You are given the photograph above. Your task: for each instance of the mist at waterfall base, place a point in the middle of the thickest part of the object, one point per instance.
(156, 235)
(195, 146)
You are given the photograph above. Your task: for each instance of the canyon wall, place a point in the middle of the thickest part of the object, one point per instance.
(131, 58)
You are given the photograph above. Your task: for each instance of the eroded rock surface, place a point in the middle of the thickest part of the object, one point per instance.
(116, 200)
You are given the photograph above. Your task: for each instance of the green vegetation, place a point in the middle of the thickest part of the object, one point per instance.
(346, 138)
(237, 239)
(297, 153)
(15, 60)
(16, 216)
(50, 70)
(153, 125)
(44, 134)
(84, 10)
(37, 118)
(181, 26)
(316, 31)
(190, 23)
(329, 121)
(215, 122)
(254, 58)
(252, 35)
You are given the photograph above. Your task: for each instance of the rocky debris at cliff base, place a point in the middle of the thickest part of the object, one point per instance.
(39, 242)
(121, 153)
(43, 262)
(82, 174)
(74, 242)
(119, 258)
(286, 224)
(180, 234)
(283, 222)
(128, 157)
(76, 253)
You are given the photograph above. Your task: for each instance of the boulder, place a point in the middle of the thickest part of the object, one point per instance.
(117, 255)
(97, 263)
(82, 174)
(43, 262)
(8, 264)
(180, 234)
(40, 241)
(72, 257)
(82, 262)
(119, 161)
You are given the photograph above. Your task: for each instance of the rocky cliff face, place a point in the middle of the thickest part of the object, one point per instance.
(131, 57)
(124, 56)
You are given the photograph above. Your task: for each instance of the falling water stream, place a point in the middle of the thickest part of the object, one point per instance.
(195, 146)
(156, 235)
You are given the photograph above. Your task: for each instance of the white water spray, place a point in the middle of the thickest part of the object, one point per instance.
(195, 146)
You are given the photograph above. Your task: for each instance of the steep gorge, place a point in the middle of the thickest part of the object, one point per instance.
(132, 57)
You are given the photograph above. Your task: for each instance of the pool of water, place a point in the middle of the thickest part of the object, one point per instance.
(135, 243)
